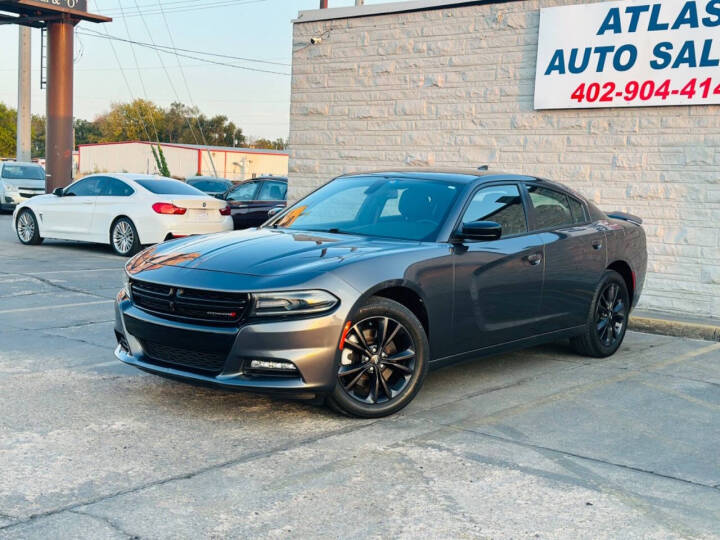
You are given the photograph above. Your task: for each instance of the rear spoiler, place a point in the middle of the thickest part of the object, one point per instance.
(625, 217)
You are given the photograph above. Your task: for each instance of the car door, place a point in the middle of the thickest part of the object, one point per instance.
(575, 256)
(240, 200)
(114, 200)
(70, 216)
(498, 284)
(272, 194)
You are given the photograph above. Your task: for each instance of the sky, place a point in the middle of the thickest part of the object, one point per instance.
(257, 102)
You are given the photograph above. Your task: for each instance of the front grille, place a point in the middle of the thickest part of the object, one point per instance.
(193, 305)
(208, 362)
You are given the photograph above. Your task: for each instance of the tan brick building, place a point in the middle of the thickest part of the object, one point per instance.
(451, 83)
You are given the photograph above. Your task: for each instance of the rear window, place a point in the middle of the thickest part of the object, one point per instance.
(169, 187)
(210, 185)
(23, 172)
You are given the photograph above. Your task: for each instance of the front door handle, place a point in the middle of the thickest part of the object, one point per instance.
(534, 259)
(597, 244)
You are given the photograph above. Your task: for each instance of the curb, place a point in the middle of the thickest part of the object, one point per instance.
(708, 332)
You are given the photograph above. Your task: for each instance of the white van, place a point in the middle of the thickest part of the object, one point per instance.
(19, 182)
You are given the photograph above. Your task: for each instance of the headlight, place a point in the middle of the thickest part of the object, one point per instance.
(126, 283)
(274, 304)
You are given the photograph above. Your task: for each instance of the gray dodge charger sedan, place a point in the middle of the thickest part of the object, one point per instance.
(354, 292)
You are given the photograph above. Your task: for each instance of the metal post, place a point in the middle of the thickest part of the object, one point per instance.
(23, 149)
(59, 105)
(359, 2)
(323, 4)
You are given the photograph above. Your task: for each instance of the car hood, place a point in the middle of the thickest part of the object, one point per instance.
(266, 252)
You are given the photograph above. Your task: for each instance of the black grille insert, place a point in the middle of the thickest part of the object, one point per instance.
(208, 362)
(192, 305)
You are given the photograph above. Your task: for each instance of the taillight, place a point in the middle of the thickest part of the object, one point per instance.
(168, 208)
(225, 211)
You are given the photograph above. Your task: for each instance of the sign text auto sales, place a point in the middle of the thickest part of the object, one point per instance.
(629, 53)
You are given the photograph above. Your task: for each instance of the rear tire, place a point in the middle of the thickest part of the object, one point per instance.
(607, 319)
(26, 227)
(124, 238)
(384, 361)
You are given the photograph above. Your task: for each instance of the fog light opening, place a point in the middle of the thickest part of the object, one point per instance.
(273, 365)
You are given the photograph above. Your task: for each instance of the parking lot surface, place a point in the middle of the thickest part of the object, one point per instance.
(539, 443)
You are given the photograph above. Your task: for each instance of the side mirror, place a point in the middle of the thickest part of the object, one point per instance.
(275, 211)
(58, 192)
(481, 230)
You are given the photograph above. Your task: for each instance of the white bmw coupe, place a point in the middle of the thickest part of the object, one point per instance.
(124, 210)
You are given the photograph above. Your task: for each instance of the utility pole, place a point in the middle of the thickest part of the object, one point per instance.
(23, 149)
(359, 2)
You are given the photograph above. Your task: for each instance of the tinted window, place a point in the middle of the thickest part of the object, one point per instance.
(23, 172)
(552, 208)
(88, 187)
(404, 208)
(112, 187)
(215, 186)
(244, 192)
(272, 191)
(578, 211)
(169, 187)
(501, 204)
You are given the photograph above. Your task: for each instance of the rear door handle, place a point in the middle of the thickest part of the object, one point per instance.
(534, 259)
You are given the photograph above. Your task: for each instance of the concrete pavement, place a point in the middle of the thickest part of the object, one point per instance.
(539, 443)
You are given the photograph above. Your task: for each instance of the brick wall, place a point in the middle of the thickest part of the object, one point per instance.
(454, 87)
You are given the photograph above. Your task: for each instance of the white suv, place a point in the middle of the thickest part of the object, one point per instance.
(19, 182)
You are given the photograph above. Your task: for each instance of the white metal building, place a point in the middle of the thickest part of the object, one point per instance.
(184, 160)
(572, 90)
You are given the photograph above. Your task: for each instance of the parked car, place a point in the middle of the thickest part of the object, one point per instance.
(19, 182)
(356, 290)
(252, 201)
(123, 210)
(217, 187)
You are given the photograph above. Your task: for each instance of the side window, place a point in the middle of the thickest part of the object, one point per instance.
(244, 192)
(272, 191)
(578, 211)
(88, 187)
(501, 204)
(552, 208)
(112, 187)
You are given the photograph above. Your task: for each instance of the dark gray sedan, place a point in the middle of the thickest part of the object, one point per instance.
(354, 292)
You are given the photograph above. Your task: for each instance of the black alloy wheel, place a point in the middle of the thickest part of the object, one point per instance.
(608, 318)
(383, 362)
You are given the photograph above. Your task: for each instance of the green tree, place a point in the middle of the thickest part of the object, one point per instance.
(86, 132)
(8, 131)
(277, 144)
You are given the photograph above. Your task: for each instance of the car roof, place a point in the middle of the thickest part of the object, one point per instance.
(23, 163)
(465, 176)
(216, 178)
(275, 178)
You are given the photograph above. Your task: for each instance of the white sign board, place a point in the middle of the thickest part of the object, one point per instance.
(633, 53)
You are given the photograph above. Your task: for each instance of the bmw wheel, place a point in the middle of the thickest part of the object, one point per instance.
(607, 320)
(383, 362)
(124, 238)
(27, 228)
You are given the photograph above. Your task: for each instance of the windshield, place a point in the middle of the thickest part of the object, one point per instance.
(404, 208)
(169, 187)
(23, 172)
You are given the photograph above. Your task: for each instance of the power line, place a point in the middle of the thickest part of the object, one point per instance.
(206, 60)
(185, 9)
(172, 49)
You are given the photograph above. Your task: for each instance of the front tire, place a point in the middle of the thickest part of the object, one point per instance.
(124, 238)
(607, 320)
(27, 228)
(383, 363)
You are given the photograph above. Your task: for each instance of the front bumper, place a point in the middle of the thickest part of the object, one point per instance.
(311, 344)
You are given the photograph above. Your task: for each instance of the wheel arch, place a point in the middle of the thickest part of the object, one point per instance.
(623, 268)
(405, 293)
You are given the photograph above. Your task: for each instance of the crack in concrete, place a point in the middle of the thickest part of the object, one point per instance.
(52, 284)
(110, 523)
(251, 456)
(580, 456)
